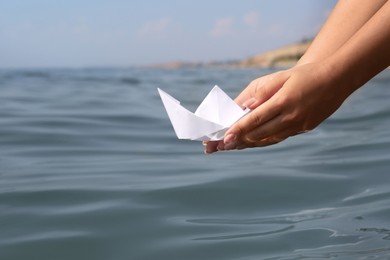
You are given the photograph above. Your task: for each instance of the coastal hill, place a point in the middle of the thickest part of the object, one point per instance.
(286, 56)
(283, 57)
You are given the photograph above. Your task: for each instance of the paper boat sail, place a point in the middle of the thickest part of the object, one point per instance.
(210, 121)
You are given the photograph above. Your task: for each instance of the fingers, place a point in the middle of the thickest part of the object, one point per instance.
(275, 130)
(255, 119)
(288, 122)
(267, 141)
(210, 147)
(268, 134)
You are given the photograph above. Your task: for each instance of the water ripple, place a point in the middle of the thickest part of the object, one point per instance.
(90, 168)
(245, 235)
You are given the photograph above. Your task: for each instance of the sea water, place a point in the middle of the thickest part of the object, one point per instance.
(90, 168)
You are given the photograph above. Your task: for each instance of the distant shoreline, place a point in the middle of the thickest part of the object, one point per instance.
(286, 56)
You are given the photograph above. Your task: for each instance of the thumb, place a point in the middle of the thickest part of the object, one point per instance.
(261, 89)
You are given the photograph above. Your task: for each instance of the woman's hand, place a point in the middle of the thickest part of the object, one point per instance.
(284, 104)
(343, 57)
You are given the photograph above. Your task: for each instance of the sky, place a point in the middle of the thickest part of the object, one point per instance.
(102, 33)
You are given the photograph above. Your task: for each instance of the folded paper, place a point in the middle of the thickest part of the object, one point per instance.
(210, 121)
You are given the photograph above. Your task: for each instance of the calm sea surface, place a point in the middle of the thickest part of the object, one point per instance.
(90, 168)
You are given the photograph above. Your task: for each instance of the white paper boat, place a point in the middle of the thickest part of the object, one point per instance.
(210, 121)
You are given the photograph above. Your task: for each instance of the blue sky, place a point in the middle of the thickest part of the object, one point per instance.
(83, 33)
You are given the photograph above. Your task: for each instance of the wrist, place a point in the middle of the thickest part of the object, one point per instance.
(344, 74)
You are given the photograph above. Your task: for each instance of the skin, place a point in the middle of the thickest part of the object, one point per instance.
(351, 48)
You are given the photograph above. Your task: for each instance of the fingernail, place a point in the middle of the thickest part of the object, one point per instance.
(230, 142)
(230, 146)
(204, 143)
(229, 139)
(207, 152)
(249, 102)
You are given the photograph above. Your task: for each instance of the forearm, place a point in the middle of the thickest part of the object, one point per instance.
(366, 54)
(346, 19)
